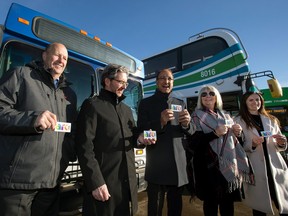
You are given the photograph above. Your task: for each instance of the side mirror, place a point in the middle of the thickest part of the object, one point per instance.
(275, 88)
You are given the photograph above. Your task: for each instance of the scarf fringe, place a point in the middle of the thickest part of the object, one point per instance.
(235, 181)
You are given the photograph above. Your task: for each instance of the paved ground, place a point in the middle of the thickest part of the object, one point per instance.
(190, 208)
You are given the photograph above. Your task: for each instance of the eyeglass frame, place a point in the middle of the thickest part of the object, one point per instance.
(121, 82)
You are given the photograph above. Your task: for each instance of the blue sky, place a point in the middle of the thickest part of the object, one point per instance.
(144, 28)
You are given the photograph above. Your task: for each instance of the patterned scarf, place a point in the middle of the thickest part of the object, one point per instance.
(233, 162)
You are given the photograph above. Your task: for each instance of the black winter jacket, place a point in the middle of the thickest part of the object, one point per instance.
(31, 159)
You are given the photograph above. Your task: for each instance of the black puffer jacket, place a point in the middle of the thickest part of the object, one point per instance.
(31, 160)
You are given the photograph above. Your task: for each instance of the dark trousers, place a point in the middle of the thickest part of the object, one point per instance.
(44, 202)
(156, 196)
(225, 204)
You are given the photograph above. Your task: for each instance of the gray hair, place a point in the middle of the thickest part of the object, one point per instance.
(218, 104)
(111, 70)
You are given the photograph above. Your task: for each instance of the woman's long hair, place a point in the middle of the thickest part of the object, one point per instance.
(245, 114)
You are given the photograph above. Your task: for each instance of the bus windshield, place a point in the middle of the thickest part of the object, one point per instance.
(133, 95)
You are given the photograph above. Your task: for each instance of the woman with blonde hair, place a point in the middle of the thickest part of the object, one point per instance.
(220, 163)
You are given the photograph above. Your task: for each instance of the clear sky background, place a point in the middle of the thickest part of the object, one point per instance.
(144, 28)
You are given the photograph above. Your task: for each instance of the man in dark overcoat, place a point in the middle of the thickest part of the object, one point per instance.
(105, 140)
(166, 160)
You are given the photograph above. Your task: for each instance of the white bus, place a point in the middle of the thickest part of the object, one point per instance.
(214, 57)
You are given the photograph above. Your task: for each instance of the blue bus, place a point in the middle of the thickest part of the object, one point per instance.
(27, 32)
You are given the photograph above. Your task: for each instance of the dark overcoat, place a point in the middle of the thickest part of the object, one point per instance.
(166, 160)
(105, 140)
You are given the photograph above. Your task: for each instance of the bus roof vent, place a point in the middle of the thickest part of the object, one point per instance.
(75, 41)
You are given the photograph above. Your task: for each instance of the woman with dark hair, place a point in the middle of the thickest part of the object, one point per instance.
(262, 140)
(220, 163)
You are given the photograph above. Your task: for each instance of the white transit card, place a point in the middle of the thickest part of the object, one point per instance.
(150, 134)
(63, 127)
(176, 108)
(229, 122)
(266, 133)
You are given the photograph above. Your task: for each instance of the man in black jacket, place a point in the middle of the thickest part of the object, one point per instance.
(105, 140)
(166, 160)
(33, 156)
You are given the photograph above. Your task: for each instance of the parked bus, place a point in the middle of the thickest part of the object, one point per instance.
(27, 32)
(214, 57)
(278, 107)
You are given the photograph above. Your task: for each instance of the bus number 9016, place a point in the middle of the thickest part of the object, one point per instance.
(207, 73)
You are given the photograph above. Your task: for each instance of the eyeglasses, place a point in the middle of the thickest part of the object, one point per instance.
(121, 82)
(165, 78)
(204, 94)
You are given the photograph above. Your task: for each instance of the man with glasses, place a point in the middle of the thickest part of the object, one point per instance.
(166, 160)
(105, 140)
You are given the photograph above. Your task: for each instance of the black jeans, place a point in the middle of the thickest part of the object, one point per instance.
(156, 196)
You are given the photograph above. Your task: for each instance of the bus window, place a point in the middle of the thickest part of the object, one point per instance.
(166, 60)
(17, 54)
(206, 49)
(133, 95)
(79, 74)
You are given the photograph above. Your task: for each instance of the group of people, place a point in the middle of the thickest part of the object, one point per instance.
(233, 159)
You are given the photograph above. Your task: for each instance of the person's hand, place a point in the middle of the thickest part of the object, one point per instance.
(46, 120)
(184, 118)
(166, 115)
(143, 141)
(237, 129)
(221, 130)
(101, 193)
(256, 140)
(280, 139)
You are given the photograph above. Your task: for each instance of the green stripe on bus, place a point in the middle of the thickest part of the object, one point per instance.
(219, 68)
